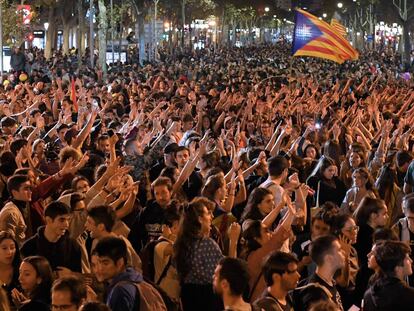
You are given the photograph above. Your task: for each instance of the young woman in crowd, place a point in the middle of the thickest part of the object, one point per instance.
(36, 280)
(259, 242)
(370, 215)
(325, 182)
(9, 262)
(363, 186)
(196, 255)
(345, 228)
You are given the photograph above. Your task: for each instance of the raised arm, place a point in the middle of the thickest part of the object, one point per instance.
(78, 142)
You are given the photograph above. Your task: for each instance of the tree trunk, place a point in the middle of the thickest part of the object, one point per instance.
(66, 31)
(183, 20)
(50, 33)
(222, 36)
(81, 30)
(102, 30)
(406, 42)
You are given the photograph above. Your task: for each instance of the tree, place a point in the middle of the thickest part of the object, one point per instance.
(14, 31)
(406, 14)
(102, 31)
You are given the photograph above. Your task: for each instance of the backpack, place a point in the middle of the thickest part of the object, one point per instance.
(153, 298)
(150, 298)
(147, 258)
(297, 295)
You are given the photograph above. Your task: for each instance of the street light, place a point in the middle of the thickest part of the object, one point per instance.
(46, 25)
(267, 9)
(340, 5)
(324, 15)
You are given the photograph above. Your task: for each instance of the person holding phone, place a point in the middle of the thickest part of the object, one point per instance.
(345, 228)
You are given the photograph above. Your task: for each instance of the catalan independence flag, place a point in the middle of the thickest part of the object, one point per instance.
(314, 37)
(338, 27)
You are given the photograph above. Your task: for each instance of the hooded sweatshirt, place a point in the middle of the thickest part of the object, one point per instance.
(122, 293)
(389, 293)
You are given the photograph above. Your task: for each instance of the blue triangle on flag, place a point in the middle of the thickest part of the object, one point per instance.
(305, 31)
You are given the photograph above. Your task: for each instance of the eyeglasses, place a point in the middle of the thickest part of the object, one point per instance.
(62, 307)
(353, 228)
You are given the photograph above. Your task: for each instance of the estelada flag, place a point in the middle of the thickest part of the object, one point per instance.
(314, 37)
(339, 28)
(73, 94)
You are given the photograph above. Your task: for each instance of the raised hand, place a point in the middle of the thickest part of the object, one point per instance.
(234, 232)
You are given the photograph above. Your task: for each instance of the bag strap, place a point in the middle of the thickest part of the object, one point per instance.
(314, 284)
(164, 271)
(271, 298)
(268, 184)
(255, 285)
(317, 194)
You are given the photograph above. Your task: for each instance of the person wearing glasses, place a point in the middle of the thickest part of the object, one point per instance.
(345, 228)
(68, 294)
(281, 275)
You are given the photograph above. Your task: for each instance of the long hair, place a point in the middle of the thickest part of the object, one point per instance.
(332, 150)
(188, 234)
(213, 183)
(5, 235)
(252, 210)
(4, 301)
(44, 272)
(369, 185)
(323, 163)
(251, 232)
(385, 182)
(367, 207)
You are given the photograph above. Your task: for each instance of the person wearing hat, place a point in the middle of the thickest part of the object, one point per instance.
(168, 160)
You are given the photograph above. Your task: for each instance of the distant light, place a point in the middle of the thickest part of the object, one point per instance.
(305, 8)
(46, 25)
(340, 5)
(324, 15)
(267, 9)
(320, 18)
(274, 16)
(358, 33)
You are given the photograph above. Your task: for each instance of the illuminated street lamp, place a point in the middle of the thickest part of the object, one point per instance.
(324, 15)
(46, 25)
(340, 5)
(267, 9)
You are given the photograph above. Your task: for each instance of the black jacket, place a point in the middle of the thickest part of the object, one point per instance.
(63, 253)
(18, 61)
(389, 294)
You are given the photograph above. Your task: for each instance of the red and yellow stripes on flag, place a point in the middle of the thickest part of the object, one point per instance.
(73, 94)
(329, 45)
(338, 27)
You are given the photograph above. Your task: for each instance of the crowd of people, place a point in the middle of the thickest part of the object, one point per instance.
(230, 179)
